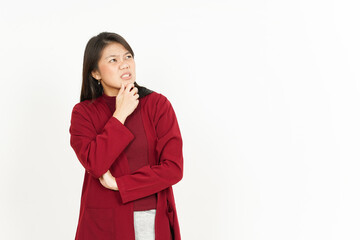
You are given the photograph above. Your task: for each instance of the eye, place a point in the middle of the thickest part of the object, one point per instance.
(129, 56)
(112, 59)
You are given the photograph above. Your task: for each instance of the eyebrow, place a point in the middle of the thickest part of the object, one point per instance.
(116, 55)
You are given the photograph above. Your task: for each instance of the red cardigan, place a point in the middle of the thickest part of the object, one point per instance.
(99, 140)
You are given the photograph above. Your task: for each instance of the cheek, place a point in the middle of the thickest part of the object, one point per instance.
(108, 70)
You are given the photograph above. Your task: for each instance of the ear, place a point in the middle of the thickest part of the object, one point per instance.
(95, 74)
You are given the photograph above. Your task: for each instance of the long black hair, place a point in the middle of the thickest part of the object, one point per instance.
(90, 88)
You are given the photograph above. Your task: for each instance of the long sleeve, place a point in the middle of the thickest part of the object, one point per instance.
(148, 179)
(97, 152)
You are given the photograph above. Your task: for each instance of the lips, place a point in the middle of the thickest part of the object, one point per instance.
(126, 75)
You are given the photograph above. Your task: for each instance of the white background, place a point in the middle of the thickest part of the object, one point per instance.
(267, 99)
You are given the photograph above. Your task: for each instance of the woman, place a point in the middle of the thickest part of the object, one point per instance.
(128, 140)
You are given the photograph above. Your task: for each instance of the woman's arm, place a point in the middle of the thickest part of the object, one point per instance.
(148, 180)
(97, 152)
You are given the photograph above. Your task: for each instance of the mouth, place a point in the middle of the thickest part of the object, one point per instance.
(126, 76)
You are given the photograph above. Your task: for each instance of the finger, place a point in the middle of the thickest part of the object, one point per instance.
(121, 88)
(135, 90)
(129, 86)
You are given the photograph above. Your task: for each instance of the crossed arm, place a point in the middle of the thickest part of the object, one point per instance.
(97, 152)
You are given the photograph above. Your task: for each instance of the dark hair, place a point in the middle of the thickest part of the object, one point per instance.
(90, 88)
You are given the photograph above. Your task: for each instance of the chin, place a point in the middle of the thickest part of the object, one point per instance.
(129, 81)
(125, 82)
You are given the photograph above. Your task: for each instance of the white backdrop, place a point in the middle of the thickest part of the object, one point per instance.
(266, 94)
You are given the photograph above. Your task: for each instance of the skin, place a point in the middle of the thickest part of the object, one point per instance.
(115, 60)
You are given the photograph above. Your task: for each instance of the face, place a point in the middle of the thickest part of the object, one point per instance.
(114, 62)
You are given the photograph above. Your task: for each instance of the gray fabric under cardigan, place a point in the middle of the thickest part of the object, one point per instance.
(144, 224)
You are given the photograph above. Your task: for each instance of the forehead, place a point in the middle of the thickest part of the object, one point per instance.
(113, 49)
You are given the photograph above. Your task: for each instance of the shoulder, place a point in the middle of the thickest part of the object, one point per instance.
(86, 106)
(157, 100)
(81, 106)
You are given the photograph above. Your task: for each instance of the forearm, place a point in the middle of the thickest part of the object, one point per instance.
(97, 152)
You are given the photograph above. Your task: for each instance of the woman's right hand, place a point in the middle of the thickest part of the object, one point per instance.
(126, 101)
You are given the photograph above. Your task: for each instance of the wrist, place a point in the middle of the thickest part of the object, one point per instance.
(120, 117)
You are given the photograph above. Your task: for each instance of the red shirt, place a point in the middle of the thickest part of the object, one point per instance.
(136, 151)
(99, 141)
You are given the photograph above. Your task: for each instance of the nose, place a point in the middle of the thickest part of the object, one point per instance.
(124, 65)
